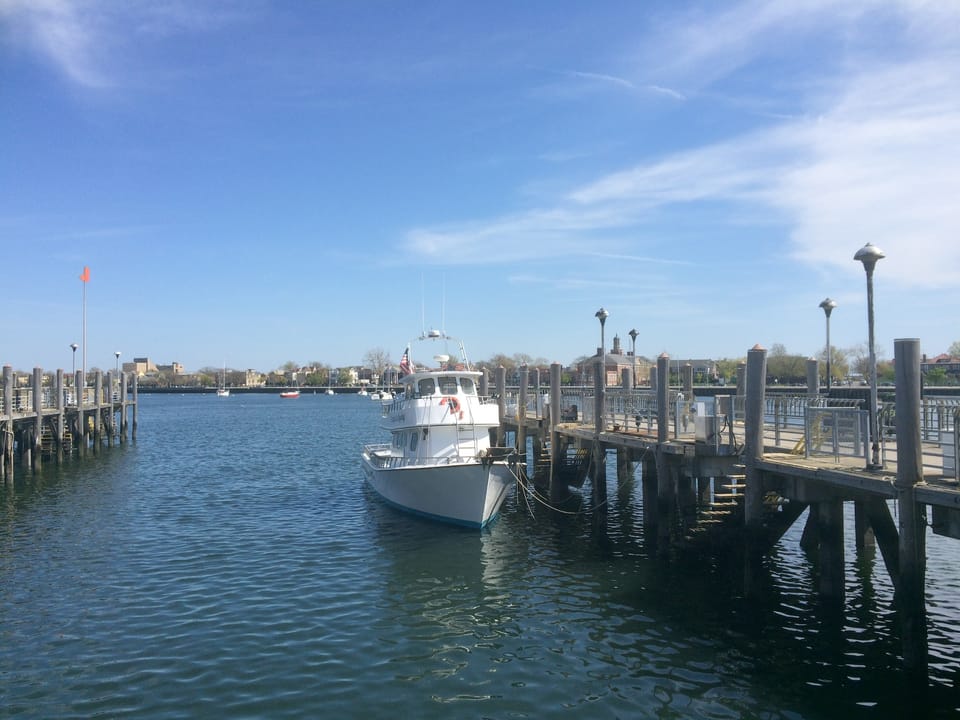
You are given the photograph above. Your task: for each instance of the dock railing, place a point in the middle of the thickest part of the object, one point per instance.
(812, 426)
(23, 402)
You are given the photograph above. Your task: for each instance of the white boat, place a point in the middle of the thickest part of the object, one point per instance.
(440, 463)
(222, 389)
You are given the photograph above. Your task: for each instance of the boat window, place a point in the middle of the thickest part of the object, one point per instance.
(413, 441)
(466, 384)
(426, 386)
(448, 385)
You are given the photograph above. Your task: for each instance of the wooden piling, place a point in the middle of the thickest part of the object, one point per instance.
(913, 519)
(36, 441)
(136, 407)
(501, 379)
(754, 402)
(599, 484)
(6, 442)
(60, 420)
(123, 404)
(832, 561)
(664, 484)
(557, 490)
(522, 415)
(753, 432)
(97, 410)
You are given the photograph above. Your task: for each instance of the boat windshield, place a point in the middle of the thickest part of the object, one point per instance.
(426, 386)
(448, 385)
(466, 384)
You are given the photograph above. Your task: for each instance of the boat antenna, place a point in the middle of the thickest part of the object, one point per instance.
(423, 320)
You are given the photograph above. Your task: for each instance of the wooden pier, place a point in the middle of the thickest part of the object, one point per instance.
(737, 471)
(51, 418)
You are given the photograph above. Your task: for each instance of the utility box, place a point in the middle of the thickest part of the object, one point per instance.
(707, 425)
(948, 444)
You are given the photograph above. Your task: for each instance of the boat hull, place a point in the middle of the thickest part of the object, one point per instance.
(467, 493)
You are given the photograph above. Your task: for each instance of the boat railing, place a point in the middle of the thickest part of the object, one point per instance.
(390, 462)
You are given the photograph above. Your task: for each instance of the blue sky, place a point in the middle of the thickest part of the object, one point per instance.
(257, 182)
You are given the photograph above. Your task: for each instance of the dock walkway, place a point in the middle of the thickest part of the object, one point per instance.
(738, 470)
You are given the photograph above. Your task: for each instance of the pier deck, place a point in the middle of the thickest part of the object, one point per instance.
(50, 417)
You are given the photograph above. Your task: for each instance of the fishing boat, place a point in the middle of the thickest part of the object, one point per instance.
(290, 394)
(440, 463)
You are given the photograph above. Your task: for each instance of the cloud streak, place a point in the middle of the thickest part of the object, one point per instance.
(873, 159)
(62, 33)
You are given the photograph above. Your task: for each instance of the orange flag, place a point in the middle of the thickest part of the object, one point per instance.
(86, 274)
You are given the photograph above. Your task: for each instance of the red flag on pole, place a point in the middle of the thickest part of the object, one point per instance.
(86, 274)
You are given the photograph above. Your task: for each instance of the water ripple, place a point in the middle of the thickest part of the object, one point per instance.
(231, 563)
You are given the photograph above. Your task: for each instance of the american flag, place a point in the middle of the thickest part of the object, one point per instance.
(405, 367)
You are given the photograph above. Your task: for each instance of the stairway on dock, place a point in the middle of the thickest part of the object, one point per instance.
(725, 511)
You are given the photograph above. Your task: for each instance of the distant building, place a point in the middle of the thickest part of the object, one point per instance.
(615, 362)
(947, 363)
(141, 366)
(173, 368)
(253, 378)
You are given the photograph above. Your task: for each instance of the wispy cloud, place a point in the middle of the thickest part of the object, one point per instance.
(63, 33)
(623, 83)
(610, 79)
(875, 159)
(83, 40)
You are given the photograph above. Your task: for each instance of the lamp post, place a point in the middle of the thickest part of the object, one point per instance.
(633, 349)
(602, 315)
(828, 305)
(868, 255)
(74, 346)
(117, 354)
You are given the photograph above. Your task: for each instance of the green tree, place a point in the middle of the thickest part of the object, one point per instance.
(787, 369)
(839, 364)
(954, 349)
(727, 368)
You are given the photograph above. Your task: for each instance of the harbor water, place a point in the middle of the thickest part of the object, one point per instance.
(231, 563)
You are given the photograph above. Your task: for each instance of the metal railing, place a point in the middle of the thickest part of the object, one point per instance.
(814, 426)
(22, 400)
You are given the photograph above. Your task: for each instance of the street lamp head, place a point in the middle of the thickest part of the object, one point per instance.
(117, 353)
(868, 255)
(828, 305)
(603, 315)
(74, 346)
(633, 334)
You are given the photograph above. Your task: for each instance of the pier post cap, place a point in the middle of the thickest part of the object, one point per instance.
(758, 346)
(664, 355)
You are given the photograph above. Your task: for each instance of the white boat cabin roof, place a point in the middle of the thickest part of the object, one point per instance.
(441, 382)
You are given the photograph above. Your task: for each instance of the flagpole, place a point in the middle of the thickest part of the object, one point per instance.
(84, 278)
(83, 333)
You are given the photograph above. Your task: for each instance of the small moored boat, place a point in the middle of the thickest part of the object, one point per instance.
(440, 463)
